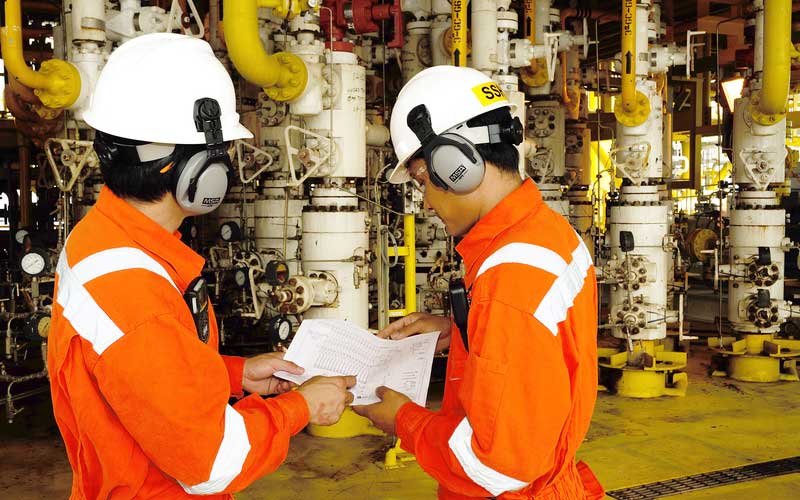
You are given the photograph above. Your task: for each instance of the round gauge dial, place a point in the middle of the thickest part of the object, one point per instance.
(230, 231)
(43, 326)
(33, 263)
(240, 276)
(20, 235)
(276, 272)
(280, 329)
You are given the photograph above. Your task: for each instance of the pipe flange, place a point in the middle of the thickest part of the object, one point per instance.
(293, 80)
(758, 116)
(537, 78)
(641, 110)
(66, 84)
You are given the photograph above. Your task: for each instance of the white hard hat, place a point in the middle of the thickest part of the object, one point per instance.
(452, 96)
(148, 88)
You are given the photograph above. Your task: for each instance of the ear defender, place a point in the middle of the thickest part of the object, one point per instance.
(200, 179)
(453, 161)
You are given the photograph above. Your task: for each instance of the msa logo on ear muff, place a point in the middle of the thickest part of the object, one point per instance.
(200, 180)
(453, 162)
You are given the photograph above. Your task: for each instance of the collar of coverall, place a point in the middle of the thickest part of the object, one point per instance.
(185, 264)
(477, 243)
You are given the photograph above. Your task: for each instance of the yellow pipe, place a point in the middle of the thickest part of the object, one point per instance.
(628, 55)
(409, 253)
(283, 76)
(57, 83)
(530, 20)
(634, 107)
(458, 14)
(770, 105)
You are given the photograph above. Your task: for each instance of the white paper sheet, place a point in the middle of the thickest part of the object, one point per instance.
(335, 347)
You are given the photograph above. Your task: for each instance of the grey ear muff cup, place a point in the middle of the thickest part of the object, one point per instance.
(200, 184)
(455, 163)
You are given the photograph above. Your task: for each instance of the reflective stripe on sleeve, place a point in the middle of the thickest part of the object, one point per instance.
(230, 457)
(489, 479)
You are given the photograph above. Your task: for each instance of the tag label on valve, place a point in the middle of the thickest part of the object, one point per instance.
(488, 93)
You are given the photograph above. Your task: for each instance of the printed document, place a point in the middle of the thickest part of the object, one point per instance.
(336, 347)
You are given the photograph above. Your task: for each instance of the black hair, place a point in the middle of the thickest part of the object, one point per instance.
(127, 176)
(503, 155)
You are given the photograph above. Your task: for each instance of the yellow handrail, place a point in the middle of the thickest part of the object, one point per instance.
(57, 83)
(283, 76)
(409, 254)
(769, 105)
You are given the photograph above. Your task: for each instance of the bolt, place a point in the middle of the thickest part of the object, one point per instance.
(293, 281)
(300, 301)
(299, 289)
(294, 82)
(283, 59)
(293, 308)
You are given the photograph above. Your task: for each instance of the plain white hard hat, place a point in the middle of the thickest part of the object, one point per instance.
(452, 95)
(149, 85)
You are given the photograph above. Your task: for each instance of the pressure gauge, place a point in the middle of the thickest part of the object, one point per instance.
(20, 236)
(276, 272)
(43, 326)
(230, 231)
(280, 329)
(240, 276)
(34, 262)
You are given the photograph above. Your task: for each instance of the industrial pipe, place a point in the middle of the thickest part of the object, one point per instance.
(283, 76)
(529, 28)
(634, 107)
(629, 55)
(57, 83)
(458, 15)
(770, 105)
(409, 254)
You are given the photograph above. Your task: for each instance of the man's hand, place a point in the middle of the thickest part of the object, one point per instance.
(416, 323)
(259, 370)
(383, 414)
(327, 398)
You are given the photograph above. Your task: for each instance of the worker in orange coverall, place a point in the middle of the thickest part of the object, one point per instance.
(522, 370)
(140, 393)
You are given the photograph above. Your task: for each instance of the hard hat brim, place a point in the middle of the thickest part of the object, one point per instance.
(400, 174)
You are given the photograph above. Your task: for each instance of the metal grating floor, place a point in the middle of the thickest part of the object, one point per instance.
(708, 480)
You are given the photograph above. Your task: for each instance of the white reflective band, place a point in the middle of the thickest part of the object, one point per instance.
(527, 254)
(553, 308)
(492, 481)
(230, 457)
(118, 259)
(80, 308)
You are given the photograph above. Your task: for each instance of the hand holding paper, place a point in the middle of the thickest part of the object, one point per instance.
(334, 347)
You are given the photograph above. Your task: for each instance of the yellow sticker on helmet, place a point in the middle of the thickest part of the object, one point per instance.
(488, 93)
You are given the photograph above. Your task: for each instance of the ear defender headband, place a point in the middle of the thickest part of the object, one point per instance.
(200, 180)
(454, 162)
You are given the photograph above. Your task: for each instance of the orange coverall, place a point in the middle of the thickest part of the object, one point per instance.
(517, 405)
(141, 401)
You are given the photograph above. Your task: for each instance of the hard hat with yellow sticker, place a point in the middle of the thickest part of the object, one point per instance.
(452, 96)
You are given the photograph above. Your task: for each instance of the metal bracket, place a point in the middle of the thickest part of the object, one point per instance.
(315, 157)
(690, 50)
(70, 159)
(242, 162)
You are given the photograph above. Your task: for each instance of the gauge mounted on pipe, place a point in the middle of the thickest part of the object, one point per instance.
(240, 277)
(276, 272)
(279, 330)
(20, 235)
(230, 231)
(33, 262)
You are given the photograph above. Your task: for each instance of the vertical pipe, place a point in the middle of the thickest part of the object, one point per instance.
(529, 29)
(410, 235)
(628, 55)
(24, 180)
(484, 35)
(459, 20)
(777, 64)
